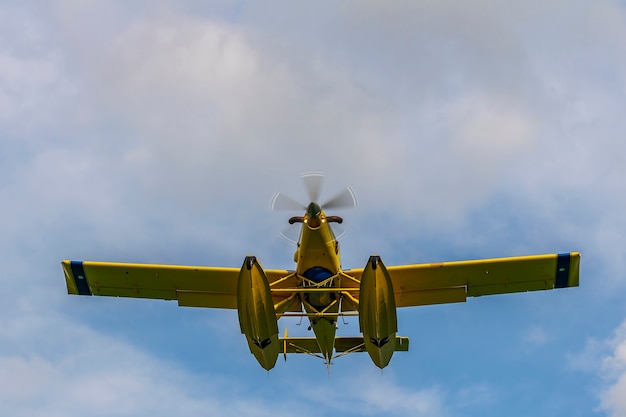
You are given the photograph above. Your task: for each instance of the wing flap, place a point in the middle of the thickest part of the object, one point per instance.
(205, 299)
(430, 296)
(508, 287)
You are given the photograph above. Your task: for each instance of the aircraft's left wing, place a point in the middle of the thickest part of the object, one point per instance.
(451, 282)
(193, 286)
(448, 282)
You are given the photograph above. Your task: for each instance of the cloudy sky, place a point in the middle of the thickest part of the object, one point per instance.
(157, 131)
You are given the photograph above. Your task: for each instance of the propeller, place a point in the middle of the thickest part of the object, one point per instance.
(313, 184)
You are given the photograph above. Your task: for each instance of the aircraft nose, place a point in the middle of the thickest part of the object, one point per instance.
(313, 213)
(313, 210)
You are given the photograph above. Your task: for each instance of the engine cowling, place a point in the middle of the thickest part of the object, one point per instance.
(377, 312)
(257, 316)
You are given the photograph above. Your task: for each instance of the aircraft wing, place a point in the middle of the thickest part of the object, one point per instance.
(450, 282)
(192, 286)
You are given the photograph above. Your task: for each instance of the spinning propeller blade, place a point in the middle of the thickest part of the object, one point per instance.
(283, 202)
(345, 199)
(313, 183)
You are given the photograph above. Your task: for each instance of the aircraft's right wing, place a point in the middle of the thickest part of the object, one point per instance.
(191, 286)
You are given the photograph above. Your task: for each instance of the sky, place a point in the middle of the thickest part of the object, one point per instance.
(158, 131)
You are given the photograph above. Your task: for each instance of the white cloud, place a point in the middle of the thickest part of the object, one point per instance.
(613, 369)
(435, 130)
(51, 365)
(370, 393)
(34, 84)
(536, 336)
(607, 359)
(195, 99)
(476, 395)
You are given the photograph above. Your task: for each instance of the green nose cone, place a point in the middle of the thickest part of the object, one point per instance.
(313, 210)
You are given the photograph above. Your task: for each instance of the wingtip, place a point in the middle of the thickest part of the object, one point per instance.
(574, 279)
(69, 279)
(75, 278)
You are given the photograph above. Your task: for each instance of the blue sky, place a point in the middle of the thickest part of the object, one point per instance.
(158, 131)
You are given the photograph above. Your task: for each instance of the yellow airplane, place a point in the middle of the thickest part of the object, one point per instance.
(320, 289)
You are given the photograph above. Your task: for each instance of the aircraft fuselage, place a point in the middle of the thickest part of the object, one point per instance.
(318, 266)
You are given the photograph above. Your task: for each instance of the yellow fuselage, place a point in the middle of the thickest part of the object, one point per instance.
(318, 267)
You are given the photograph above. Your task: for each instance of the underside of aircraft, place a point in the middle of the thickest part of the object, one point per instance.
(320, 290)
